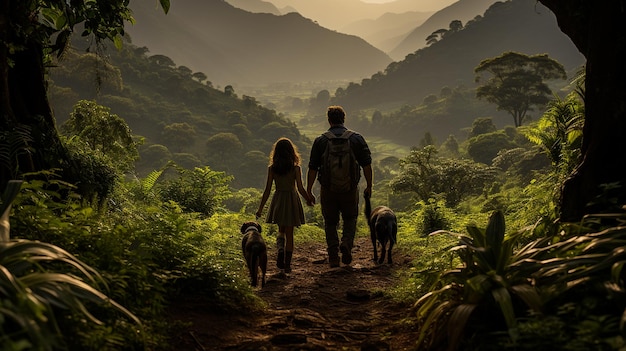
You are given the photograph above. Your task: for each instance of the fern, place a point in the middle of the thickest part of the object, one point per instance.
(13, 142)
(147, 183)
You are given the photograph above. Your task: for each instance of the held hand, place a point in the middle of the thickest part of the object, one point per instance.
(310, 201)
(258, 214)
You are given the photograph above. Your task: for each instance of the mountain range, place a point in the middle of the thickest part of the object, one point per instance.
(523, 26)
(266, 42)
(464, 11)
(335, 14)
(396, 27)
(388, 30)
(233, 47)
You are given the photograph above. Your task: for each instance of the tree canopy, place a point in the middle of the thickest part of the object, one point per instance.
(104, 132)
(517, 82)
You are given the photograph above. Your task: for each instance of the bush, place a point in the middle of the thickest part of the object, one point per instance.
(200, 190)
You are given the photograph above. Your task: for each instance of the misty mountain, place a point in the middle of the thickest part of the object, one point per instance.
(462, 10)
(257, 6)
(335, 14)
(523, 26)
(233, 46)
(388, 30)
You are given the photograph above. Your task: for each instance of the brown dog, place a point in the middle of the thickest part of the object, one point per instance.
(254, 251)
(383, 229)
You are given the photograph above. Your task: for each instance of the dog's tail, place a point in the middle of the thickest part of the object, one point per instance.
(368, 208)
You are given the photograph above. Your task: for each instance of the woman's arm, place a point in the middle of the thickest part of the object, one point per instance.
(266, 192)
(299, 184)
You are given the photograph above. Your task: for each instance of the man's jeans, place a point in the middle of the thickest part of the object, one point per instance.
(335, 205)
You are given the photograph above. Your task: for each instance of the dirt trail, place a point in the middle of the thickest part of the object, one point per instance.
(313, 308)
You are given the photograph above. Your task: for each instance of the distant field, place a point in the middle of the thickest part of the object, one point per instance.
(382, 148)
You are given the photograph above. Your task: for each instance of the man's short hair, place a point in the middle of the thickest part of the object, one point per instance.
(336, 115)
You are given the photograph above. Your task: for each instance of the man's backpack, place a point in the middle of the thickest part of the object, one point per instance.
(339, 170)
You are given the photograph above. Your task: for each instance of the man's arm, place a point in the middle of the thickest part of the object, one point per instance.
(369, 175)
(310, 180)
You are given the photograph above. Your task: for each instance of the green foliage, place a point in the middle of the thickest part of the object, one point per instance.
(147, 251)
(57, 19)
(154, 156)
(92, 172)
(401, 125)
(91, 74)
(522, 163)
(427, 140)
(432, 256)
(434, 218)
(559, 133)
(487, 284)
(483, 148)
(166, 104)
(43, 288)
(14, 144)
(426, 175)
(179, 136)
(6, 201)
(33, 288)
(450, 146)
(199, 190)
(104, 133)
(222, 147)
(482, 126)
(244, 200)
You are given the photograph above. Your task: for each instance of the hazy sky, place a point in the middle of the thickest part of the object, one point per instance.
(336, 14)
(414, 5)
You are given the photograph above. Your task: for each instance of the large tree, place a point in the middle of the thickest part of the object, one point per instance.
(517, 83)
(31, 31)
(596, 28)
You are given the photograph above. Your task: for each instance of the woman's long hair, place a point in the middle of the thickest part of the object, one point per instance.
(284, 156)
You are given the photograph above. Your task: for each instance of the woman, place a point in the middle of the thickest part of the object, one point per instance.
(285, 209)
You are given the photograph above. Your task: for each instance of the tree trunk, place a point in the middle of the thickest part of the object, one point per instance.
(5, 111)
(24, 106)
(596, 28)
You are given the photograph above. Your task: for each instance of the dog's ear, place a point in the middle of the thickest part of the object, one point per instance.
(243, 227)
(258, 226)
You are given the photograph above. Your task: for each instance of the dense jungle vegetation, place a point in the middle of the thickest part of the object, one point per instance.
(94, 246)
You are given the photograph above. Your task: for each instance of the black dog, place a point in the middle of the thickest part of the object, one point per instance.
(383, 229)
(254, 251)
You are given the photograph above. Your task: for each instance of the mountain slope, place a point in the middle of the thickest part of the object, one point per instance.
(335, 14)
(232, 46)
(178, 117)
(258, 6)
(386, 31)
(463, 10)
(518, 25)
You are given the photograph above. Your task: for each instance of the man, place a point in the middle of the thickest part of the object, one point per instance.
(344, 203)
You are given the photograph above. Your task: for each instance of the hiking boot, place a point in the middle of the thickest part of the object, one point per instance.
(333, 261)
(346, 255)
(280, 259)
(288, 255)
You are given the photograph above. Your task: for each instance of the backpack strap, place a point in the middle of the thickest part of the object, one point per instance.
(329, 135)
(346, 134)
